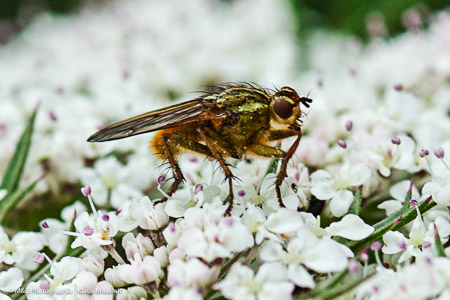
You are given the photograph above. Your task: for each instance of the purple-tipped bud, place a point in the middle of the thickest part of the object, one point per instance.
(39, 258)
(52, 116)
(396, 140)
(426, 244)
(352, 267)
(44, 285)
(161, 179)
(413, 202)
(297, 175)
(198, 188)
(349, 125)
(402, 245)
(241, 193)
(86, 190)
(364, 257)
(375, 246)
(172, 227)
(88, 231)
(342, 143)
(44, 224)
(439, 152)
(105, 218)
(229, 222)
(423, 152)
(398, 87)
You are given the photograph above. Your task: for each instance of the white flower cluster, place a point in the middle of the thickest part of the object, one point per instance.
(378, 129)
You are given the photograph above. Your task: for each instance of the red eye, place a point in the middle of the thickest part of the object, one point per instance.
(283, 108)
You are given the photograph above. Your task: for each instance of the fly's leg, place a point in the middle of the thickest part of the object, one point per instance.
(228, 175)
(284, 162)
(268, 151)
(166, 143)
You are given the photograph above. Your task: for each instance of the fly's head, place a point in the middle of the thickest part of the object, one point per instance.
(285, 107)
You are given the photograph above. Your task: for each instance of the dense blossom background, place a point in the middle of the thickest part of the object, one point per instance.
(378, 132)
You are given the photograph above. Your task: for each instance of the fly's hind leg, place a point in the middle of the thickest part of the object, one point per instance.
(167, 145)
(166, 149)
(228, 175)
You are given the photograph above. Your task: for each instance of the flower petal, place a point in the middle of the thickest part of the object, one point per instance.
(351, 227)
(341, 202)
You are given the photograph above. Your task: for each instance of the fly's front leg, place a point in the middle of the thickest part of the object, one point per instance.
(228, 175)
(283, 168)
(272, 152)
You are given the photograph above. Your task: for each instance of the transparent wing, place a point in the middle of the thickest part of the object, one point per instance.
(168, 117)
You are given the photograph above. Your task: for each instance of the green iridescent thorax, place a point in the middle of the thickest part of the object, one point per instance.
(249, 113)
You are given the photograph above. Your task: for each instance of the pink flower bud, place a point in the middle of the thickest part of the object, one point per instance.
(342, 143)
(86, 191)
(439, 152)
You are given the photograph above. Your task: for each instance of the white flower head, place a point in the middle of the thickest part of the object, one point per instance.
(95, 230)
(11, 280)
(335, 186)
(149, 216)
(216, 240)
(191, 274)
(270, 282)
(21, 249)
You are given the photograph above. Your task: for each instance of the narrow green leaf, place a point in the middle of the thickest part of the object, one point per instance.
(437, 240)
(15, 168)
(340, 290)
(356, 204)
(393, 222)
(13, 199)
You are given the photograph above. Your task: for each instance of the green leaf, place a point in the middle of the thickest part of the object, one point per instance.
(356, 204)
(15, 168)
(437, 240)
(11, 200)
(393, 222)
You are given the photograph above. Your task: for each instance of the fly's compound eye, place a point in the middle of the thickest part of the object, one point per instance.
(283, 108)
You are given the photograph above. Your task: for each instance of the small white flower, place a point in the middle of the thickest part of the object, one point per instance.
(144, 270)
(191, 274)
(94, 230)
(94, 264)
(149, 216)
(335, 186)
(216, 241)
(134, 292)
(305, 249)
(183, 199)
(398, 191)
(395, 242)
(269, 282)
(110, 176)
(11, 280)
(126, 218)
(140, 245)
(180, 293)
(351, 227)
(21, 249)
(439, 189)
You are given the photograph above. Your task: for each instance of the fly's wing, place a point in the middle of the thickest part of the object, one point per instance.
(168, 117)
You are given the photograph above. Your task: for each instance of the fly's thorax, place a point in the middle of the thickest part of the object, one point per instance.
(285, 107)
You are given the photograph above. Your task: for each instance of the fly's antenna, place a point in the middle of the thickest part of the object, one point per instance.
(306, 100)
